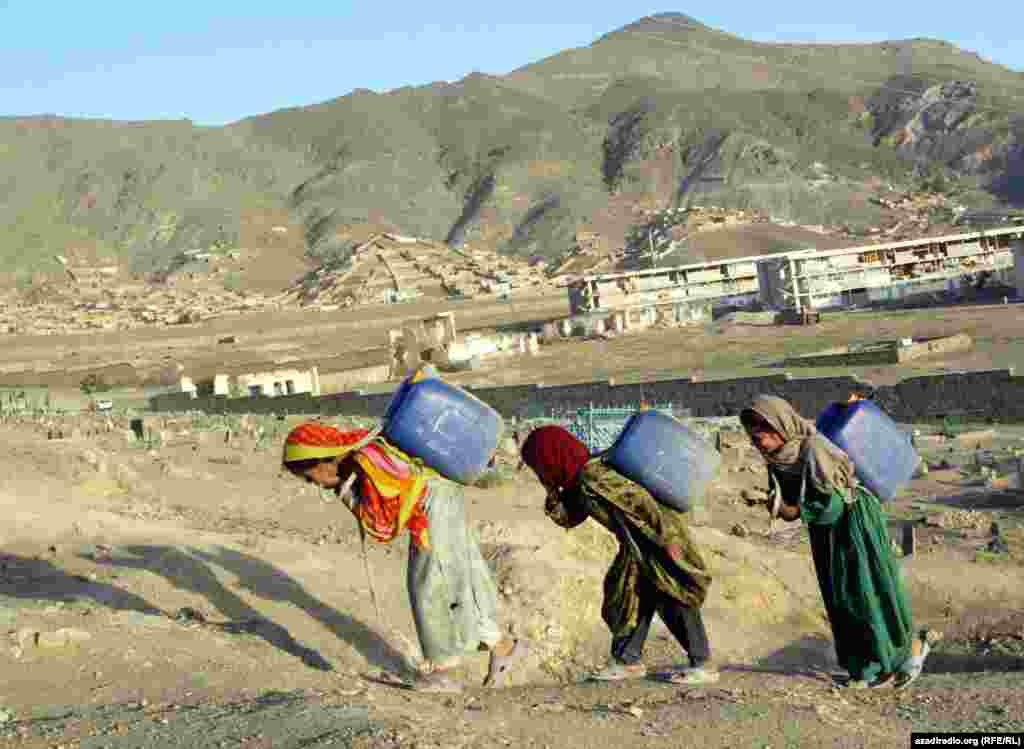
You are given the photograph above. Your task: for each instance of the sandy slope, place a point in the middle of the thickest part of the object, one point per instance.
(107, 546)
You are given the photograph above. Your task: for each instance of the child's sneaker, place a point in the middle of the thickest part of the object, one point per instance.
(694, 676)
(619, 671)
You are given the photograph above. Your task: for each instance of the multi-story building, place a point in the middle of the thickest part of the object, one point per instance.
(725, 282)
(807, 280)
(860, 276)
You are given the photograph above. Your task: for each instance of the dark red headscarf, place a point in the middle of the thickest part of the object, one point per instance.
(555, 455)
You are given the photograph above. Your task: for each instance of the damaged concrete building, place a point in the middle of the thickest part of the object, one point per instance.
(435, 340)
(799, 282)
(890, 272)
(268, 384)
(326, 375)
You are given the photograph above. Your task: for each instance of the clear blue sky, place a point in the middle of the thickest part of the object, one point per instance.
(220, 60)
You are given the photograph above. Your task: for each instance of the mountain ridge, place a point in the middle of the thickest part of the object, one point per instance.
(662, 112)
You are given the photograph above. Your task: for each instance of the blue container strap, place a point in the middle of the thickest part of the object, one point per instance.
(413, 460)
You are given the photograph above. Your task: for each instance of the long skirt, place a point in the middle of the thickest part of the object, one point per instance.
(862, 591)
(451, 588)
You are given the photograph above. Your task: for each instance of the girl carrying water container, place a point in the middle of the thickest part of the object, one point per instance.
(858, 575)
(658, 568)
(451, 589)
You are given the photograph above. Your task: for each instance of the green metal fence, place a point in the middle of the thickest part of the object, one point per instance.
(598, 428)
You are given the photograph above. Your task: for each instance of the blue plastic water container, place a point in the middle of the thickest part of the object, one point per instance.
(448, 429)
(670, 461)
(881, 452)
(425, 372)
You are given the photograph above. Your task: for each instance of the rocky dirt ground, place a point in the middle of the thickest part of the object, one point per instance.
(180, 592)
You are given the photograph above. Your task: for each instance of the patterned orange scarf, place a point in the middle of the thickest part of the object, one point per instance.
(391, 487)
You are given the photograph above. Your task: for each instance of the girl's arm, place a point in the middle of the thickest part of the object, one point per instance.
(789, 513)
(780, 506)
(345, 492)
(565, 509)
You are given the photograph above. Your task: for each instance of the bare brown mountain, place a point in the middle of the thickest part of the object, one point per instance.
(664, 112)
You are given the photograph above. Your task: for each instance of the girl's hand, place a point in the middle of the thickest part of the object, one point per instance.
(554, 508)
(789, 513)
(675, 551)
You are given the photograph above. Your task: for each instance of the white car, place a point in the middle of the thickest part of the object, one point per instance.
(104, 405)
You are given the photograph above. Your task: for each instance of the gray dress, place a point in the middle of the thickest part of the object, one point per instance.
(451, 588)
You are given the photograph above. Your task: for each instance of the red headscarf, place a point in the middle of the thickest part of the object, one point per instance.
(555, 455)
(313, 440)
(391, 497)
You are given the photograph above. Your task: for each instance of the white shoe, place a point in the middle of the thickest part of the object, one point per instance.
(618, 671)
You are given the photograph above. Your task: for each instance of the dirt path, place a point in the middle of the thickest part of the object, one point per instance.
(191, 596)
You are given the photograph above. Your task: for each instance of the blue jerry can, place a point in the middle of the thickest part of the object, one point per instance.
(450, 430)
(881, 452)
(670, 461)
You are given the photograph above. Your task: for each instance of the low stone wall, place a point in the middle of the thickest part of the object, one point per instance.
(884, 352)
(996, 394)
(936, 346)
(845, 357)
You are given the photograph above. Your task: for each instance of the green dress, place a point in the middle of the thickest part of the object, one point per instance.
(859, 577)
(644, 528)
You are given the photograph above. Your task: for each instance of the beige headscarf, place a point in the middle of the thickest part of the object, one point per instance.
(829, 467)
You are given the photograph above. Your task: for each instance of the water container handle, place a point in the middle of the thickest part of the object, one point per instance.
(425, 372)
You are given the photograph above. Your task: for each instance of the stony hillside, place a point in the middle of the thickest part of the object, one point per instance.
(665, 112)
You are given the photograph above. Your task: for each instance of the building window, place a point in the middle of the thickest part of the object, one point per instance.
(278, 389)
(289, 386)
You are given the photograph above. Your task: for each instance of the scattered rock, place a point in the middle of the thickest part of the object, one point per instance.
(189, 615)
(141, 619)
(976, 438)
(99, 553)
(957, 520)
(62, 638)
(26, 637)
(997, 545)
(700, 516)
(753, 496)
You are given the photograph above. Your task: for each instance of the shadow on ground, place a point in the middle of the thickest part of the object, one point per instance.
(813, 657)
(810, 656)
(284, 720)
(523, 326)
(986, 638)
(192, 570)
(39, 579)
(940, 662)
